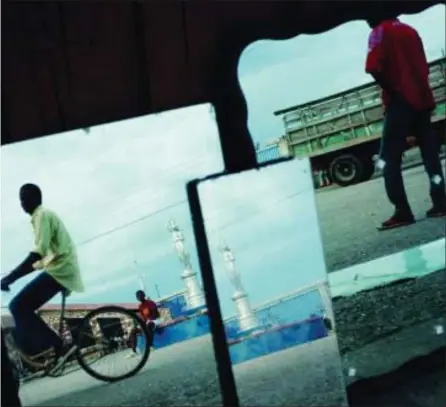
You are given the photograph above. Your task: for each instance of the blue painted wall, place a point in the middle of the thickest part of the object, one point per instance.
(288, 314)
(289, 310)
(276, 340)
(175, 304)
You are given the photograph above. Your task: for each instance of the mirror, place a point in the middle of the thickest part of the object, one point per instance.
(119, 189)
(269, 267)
(310, 97)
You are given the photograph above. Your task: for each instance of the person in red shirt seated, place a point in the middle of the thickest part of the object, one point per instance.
(397, 61)
(148, 311)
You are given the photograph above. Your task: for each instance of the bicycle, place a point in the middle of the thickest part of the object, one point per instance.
(83, 349)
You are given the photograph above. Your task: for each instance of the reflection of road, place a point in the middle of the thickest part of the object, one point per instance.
(389, 308)
(349, 216)
(185, 374)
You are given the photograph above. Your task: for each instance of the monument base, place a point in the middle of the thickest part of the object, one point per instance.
(276, 339)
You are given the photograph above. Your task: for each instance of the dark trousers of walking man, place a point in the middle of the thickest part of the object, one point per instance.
(401, 120)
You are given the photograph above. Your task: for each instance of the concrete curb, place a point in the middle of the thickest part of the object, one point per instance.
(416, 262)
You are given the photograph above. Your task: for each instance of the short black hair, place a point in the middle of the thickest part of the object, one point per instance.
(140, 292)
(33, 190)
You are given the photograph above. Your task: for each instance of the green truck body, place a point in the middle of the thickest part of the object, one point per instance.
(341, 133)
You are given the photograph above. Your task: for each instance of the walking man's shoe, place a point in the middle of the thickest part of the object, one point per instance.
(397, 220)
(437, 211)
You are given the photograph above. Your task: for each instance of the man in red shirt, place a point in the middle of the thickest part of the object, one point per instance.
(148, 311)
(397, 61)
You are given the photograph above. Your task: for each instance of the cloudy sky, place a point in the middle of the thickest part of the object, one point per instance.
(117, 187)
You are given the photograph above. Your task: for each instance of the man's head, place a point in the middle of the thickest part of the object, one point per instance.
(30, 197)
(140, 295)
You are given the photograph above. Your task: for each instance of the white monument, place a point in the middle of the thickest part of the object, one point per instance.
(246, 316)
(194, 294)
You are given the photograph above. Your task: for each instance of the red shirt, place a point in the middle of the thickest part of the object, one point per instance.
(148, 310)
(396, 54)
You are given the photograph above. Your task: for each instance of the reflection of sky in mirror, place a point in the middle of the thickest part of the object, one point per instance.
(117, 187)
(116, 190)
(278, 74)
(268, 219)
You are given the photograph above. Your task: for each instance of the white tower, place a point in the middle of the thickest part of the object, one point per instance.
(194, 294)
(246, 316)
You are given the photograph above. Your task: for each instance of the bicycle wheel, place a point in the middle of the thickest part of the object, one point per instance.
(102, 341)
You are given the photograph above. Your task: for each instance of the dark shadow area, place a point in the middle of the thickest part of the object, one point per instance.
(401, 387)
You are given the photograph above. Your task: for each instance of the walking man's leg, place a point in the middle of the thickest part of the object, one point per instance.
(23, 308)
(429, 148)
(396, 127)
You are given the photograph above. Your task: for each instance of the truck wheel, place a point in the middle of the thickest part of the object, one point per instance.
(346, 170)
(368, 169)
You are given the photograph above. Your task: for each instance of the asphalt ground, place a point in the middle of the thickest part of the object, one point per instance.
(369, 316)
(185, 374)
(348, 219)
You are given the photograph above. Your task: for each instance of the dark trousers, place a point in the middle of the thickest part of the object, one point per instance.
(133, 336)
(10, 384)
(31, 333)
(400, 122)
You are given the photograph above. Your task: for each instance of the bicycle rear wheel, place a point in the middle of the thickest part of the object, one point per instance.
(102, 341)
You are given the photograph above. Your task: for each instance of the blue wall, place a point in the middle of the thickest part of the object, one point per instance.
(176, 305)
(182, 330)
(287, 311)
(286, 321)
(276, 340)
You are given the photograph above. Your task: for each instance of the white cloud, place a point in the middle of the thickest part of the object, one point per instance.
(269, 220)
(116, 174)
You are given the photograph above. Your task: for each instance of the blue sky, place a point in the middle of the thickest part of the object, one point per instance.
(135, 171)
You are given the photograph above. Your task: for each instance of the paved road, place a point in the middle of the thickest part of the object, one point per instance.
(349, 216)
(185, 375)
(371, 323)
(368, 316)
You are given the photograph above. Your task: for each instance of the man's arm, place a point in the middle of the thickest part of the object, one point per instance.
(376, 58)
(42, 232)
(24, 268)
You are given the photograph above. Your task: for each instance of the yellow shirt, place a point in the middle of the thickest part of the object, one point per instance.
(54, 244)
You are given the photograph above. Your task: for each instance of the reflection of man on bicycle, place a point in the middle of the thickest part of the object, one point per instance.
(54, 252)
(148, 311)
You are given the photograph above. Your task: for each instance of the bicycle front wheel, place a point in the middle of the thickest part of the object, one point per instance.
(106, 340)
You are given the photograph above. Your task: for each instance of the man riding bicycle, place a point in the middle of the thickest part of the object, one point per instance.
(54, 253)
